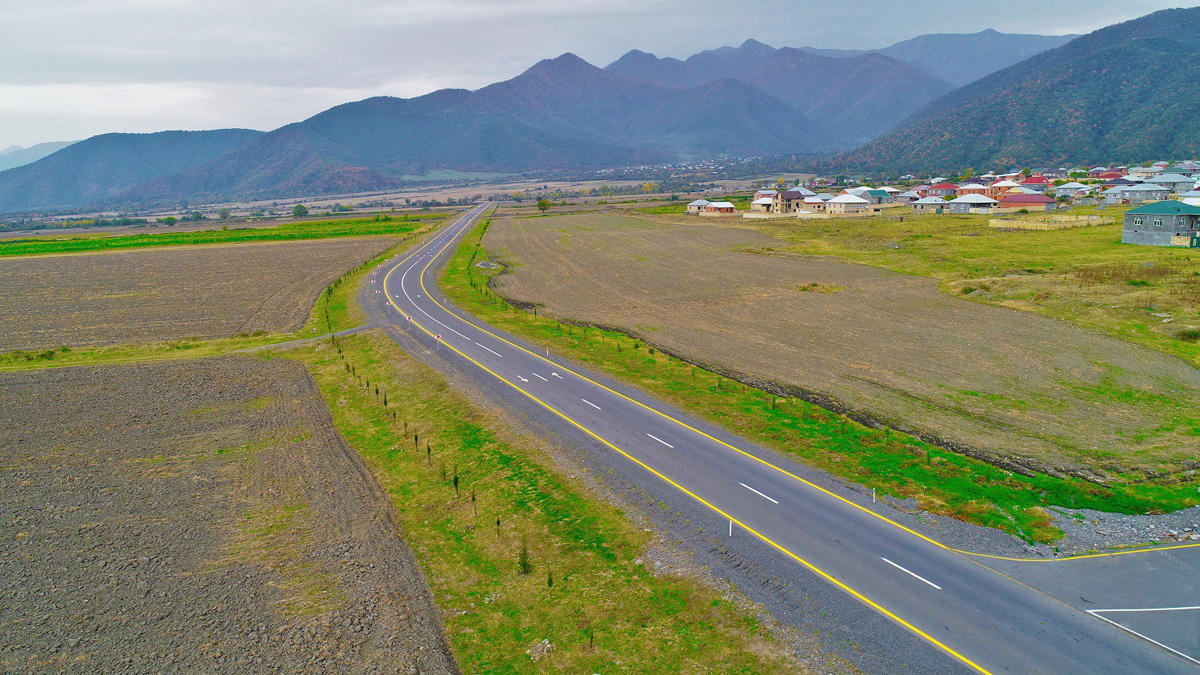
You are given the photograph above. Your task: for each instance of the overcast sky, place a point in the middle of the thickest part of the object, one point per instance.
(73, 68)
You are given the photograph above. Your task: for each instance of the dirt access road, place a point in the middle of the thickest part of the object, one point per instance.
(197, 516)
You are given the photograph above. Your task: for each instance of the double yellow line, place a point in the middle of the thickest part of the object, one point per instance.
(820, 572)
(823, 574)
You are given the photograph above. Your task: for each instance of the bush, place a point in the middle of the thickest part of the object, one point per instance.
(1189, 335)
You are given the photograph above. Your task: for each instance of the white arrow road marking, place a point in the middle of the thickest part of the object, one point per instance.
(773, 501)
(522, 379)
(591, 404)
(540, 377)
(912, 573)
(660, 440)
(557, 375)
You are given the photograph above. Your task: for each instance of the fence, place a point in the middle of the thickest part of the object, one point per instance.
(1048, 221)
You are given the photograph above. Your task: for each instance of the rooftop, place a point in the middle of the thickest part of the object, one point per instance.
(1166, 208)
(973, 199)
(848, 199)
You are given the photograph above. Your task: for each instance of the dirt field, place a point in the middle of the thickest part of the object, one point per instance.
(1016, 387)
(168, 294)
(197, 517)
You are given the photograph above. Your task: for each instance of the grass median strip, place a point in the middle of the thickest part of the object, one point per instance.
(525, 568)
(941, 481)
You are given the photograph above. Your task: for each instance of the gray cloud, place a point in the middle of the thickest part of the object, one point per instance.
(70, 69)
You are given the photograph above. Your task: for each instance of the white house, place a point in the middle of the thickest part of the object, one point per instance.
(697, 206)
(931, 204)
(1174, 182)
(719, 209)
(1070, 189)
(1145, 172)
(762, 204)
(971, 203)
(847, 203)
(813, 204)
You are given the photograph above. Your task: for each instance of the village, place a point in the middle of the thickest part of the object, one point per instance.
(1164, 198)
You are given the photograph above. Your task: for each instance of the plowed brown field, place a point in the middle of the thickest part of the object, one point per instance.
(198, 516)
(168, 294)
(999, 383)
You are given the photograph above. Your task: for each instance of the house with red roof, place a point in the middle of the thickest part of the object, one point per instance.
(1031, 202)
(1039, 183)
(943, 190)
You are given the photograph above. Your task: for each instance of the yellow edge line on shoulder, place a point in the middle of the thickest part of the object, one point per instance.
(778, 468)
(820, 572)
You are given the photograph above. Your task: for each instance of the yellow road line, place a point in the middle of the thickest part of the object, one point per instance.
(773, 466)
(779, 547)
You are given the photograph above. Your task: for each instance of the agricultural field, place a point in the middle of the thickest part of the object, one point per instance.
(213, 232)
(214, 521)
(175, 293)
(1144, 294)
(1018, 389)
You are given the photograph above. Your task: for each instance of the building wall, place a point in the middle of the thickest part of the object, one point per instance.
(1156, 235)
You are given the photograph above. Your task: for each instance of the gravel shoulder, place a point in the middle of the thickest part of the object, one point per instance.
(197, 516)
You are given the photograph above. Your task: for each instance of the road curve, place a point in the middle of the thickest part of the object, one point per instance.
(979, 614)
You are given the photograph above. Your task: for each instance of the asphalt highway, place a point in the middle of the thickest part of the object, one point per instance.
(979, 613)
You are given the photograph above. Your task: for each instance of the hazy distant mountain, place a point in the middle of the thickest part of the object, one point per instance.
(561, 113)
(856, 97)
(103, 166)
(963, 58)
(15, 156)
(960, 58)
(1127, 92)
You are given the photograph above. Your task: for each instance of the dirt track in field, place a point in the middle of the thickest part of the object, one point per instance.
(169, 294)
(1015, 387)
(200, 516)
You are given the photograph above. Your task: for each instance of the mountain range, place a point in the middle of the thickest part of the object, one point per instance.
(1124, 93)
(561, 113)
(961, 58)
(855, 98)
(1125, 89)
(15, 156)
(101, 167)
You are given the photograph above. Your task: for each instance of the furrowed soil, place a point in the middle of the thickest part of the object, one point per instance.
(1018, 389)
(198, 516)
(169, 294)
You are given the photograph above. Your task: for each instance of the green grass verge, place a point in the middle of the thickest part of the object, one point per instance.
(321, 229)
(939, 480)
(580, 586)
